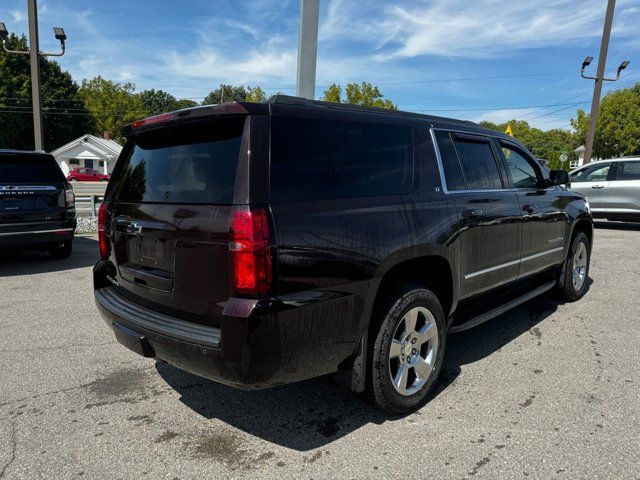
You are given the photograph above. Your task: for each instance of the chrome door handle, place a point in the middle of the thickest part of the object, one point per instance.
(529, 208)
(597, 187)
(472, 213)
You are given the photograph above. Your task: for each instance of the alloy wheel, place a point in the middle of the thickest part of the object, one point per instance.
(413, 351)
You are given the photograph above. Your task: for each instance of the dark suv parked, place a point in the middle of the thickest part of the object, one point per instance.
(37, 207)
(261, 244)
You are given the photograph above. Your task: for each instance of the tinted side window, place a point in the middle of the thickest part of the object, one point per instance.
(592, 173)
(450, 163)
(628, 171)
(479, 164)
(314, 159)
(523, 173)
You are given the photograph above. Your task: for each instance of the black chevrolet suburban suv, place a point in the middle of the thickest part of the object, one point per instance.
(262, 244)
(37, 205)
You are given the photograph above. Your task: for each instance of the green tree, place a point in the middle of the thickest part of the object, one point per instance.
(363, 94)
(112, 105)
(64, 115)
(548, 145)
(333, 94)
(226, 93)
(156, 102)
(255, 94)
(618, 128)
(185, 103)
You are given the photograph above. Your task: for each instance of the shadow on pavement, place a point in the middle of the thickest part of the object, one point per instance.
(617, 225)
(27, 262)
(310, 414)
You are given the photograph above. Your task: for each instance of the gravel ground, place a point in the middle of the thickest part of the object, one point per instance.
(548, 390)
(87, 225)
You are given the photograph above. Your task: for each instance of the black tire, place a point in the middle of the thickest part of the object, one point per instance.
(60, 251)
(568, 290)
(387, 321)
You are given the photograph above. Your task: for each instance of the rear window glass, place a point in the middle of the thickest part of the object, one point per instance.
(27, 169)
(479, 164)
(189, 164)
(314, 159)
(452, 169)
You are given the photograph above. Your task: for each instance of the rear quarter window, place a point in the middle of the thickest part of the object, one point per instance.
(194, 164)
(315, 159)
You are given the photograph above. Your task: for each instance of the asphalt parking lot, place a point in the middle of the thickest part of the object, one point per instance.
(548, 390)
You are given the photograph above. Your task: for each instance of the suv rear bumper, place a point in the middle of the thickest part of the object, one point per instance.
(36, 234)
(256, 347)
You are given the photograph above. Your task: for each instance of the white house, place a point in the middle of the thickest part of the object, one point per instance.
(88, 151)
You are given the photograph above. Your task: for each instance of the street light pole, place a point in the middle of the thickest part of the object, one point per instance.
(307, 48)
(599, 79)
(34, 60)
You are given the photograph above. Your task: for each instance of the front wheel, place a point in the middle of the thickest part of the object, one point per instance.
(576, 269)
(408, 348)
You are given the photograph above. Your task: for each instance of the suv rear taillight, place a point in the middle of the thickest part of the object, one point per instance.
(103, 239)
(69, 198)
(249, 251)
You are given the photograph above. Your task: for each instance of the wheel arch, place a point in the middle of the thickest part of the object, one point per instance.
(424, 266)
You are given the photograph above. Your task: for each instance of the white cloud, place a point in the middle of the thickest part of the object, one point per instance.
(252, 67)
(477, 29)
(18, 16)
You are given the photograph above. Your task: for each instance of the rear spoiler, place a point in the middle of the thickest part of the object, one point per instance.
(194, 114)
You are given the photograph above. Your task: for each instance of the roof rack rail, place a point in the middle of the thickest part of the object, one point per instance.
(299, 101)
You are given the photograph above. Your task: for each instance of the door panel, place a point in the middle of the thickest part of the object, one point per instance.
(593, 182)
(542, 230)
(623, 194)
(542, 211)
(490, 239)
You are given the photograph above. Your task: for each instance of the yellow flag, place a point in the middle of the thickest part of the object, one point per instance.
(508, 130)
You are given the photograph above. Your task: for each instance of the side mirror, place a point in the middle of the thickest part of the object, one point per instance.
(559, 177)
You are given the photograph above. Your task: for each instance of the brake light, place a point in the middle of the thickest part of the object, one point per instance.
(69, 198)
(249, 251)
(103, 239)
(147, 121)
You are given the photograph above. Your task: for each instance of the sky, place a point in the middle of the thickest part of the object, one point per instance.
(470, 59)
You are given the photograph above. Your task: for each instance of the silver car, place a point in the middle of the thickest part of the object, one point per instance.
(612, 187)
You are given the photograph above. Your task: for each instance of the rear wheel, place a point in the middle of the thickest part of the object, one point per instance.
(408, 348)
(576, 269)
(73, 179)
(59, 251)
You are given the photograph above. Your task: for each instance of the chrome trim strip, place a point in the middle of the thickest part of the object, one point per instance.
(514, 262)
(57, 230)
(17, 188)
(441, 168)
(491, 269)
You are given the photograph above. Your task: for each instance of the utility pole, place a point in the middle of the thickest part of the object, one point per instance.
(34, 60)
(307, 48)
(599, 79)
